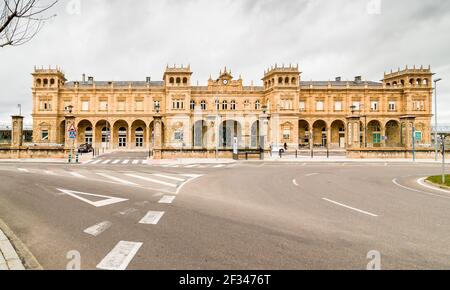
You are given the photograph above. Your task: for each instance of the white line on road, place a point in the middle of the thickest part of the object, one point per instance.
(97, 229)
(312, 174)
(49, 172)
(135, 162)
(421, 181)
(116, 179)
(116, 161)
(151, 180)
(349, 207)
(295, 182)
(77, 175)
(120, 256)
(144, 161)
(219, 166)
(125, 161)
(107, 200)
(191, 166)
(395, 181)
(96, 162)
(191, 178)
(169, 177)
(106, 162)
(167, 199)
(152, 218)
(23, 170)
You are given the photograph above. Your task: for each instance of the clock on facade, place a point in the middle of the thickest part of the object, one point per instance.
(225, 82)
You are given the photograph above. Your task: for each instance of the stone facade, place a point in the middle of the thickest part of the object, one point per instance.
(175, 114)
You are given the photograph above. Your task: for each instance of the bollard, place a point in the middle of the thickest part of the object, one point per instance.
(76, 158)
(70, 157)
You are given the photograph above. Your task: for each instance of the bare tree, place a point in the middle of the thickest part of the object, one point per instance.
(21, 20)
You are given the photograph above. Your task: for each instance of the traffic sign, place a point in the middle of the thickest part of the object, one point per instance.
(71, 128)
(72, 134)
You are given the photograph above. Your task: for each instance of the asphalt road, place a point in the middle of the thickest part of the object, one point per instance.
(246, 216)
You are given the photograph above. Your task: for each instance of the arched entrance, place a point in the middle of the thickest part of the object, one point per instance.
(139, 134)
(320, 134)
(255, 135)
(120, 130)
(228, 131)
(85, 132)
(152, 134)
(102, 134)
(374, 133)
(338, 134)
(62, 133)
(199, 136)
(393, 134)
(304, 134)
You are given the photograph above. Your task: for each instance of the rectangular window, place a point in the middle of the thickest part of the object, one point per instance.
(121, 106)
(178, 136)
(376, 138)
(356, 105)
(44, 135)
(156, 105)
(286, 134)
(103, 105)
(374, 106)
(338, 106)
(319, 106)
(302, 106)
(139, 105)
(392, 106)
(85, 106)
(418, 136)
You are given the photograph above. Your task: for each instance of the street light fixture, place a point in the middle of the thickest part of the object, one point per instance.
(436, 119)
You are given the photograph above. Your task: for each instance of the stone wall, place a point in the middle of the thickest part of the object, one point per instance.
(33, 152)
(392, 153)
(177, 153)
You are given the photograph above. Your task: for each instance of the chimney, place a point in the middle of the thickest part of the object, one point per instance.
(338, 79)
(84, 78)
(90, 80)
(148, 79)
(358, 79)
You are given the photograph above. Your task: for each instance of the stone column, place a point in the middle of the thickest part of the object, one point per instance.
(17, 131)
(263, 131)
(148, 137)
(383, 136)
(407, 124)
(158, 137)
(353, 134)
(329, 138)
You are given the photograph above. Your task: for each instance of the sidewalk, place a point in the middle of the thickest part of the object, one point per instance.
(187, 161)
(9, 260)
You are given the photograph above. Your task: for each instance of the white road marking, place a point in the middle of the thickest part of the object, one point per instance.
(106, 162)
(128, 211)
(167, 199)
(421, 181)
(87, 162)
(116, 161)
(49, 172)
(418, 191)
(106, 201)
(77, 175)
(152, 218)
(169, 177)
(312, 174)
(144, 161)
(219, 166)
(120, 257)
(151, 180)
(125, 161)
(96, 162)
(135, 162)
(295, 182)
(23, 170)
(191, 166)
(191, 178)
(349, 207)
(116, 179)
(97, 229)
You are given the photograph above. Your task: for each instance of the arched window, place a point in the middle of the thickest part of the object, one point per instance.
(233, 105)
(203, 105)
(280, 80)
(411, 81)
(286, 81)
(45, 82)
(224, 105)
(178, 80)
(192, 105)
(419, 82)
(217, 105)
(52, 82)
(294, 81)
(38, 82)
(172, 81)
(257, 105)
(185, 80)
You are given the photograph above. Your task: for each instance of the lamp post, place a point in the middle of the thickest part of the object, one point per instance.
(70, 110)
(436, 119)
(217, 104)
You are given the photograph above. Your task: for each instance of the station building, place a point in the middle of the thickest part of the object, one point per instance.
(173, 114)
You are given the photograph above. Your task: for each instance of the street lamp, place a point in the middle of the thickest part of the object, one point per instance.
(70, 109)
(436, 119)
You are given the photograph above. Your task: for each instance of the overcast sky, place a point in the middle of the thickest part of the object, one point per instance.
(132, 39)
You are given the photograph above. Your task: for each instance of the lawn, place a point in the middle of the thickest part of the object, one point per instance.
(438, 180)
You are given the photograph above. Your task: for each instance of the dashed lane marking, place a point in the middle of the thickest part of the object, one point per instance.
(219, 166)
(120, 180)
(191, 166)
(49, 172)
(349, 207)
(151, 180)
(167, 199)
(120, 257)
(135, 162)
(97, 229)
(152, 218)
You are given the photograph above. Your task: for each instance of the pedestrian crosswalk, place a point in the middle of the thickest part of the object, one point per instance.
(194, 166)
(116, 162)
(131, 162)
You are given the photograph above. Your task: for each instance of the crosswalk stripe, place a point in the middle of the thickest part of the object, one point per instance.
(135, 162)
(76, 174)
(120, 256)
(106, 162)
(116, 161)
(49, 172)
(167, 199)
(152, 218)
(151, 180)
(191, 166)
(87, 162)
(96, 161)
(219, 166)
(116, 179)
(144, 161)
(169, 177)
(125, 161)
(23, 170)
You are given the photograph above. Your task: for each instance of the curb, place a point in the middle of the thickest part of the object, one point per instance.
(27, 258)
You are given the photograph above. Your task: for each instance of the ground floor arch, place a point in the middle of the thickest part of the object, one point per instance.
(199, 134)
(337, 138)
(228, 130)
(374, 133)
(304, 134)
(138, 134)
(255, 136)
(85, 132)
(320, 134)
(393, 134)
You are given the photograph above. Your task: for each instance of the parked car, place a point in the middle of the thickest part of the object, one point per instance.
(85, 148)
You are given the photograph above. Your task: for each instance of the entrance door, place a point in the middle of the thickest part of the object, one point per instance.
(139, 142)
(341, 141)
(106, 135)
(122, 142)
